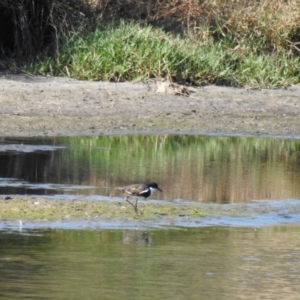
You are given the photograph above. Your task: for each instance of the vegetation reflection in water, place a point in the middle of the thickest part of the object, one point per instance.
(197, 168)
(199, 263)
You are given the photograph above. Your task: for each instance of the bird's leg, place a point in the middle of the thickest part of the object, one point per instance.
(133, 205)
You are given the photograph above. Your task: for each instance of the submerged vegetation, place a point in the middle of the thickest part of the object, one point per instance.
(238, 43)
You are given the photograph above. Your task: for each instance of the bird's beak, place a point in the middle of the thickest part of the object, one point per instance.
(159, 189)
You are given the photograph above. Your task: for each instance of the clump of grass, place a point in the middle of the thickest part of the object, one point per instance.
(130, 51)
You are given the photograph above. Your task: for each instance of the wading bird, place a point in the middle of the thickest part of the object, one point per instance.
(138, 190)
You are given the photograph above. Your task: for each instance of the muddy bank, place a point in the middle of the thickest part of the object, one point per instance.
(36, 212)
(40, 106)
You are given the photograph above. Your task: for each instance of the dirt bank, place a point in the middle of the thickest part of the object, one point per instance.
(37, 212)
(38, 106)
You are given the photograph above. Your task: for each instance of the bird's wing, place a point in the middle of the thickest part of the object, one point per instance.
(137, 189)
(145, 191)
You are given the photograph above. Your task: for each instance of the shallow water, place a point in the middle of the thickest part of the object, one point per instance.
(194, 168)
(245, 256)
(199, 263)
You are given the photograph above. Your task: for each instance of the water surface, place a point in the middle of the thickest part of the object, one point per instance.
(199, 263)
(214, 257)
(194, 168)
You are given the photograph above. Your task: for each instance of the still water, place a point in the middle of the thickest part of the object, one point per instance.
(254, 261)
(199, 263)
(194, 168)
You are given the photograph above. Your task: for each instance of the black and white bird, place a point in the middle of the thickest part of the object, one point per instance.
(138, 190)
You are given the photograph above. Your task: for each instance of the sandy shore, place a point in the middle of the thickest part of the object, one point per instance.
(41, 106)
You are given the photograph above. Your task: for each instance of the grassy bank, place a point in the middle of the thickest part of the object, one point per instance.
(131, 51)
(237, 43)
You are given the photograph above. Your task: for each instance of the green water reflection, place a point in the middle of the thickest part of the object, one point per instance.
(202, 263)
(197, 168)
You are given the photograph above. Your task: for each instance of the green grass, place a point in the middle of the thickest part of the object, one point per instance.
(129, 51)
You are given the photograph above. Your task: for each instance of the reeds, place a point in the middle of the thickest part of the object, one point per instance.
(30, 27)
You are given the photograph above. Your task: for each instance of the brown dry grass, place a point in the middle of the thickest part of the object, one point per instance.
(35, 24)
(276, 22)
